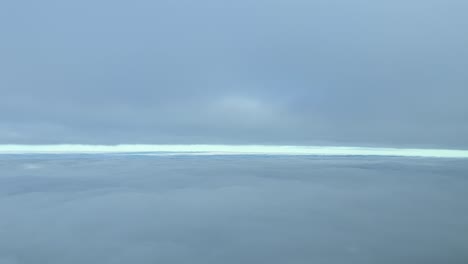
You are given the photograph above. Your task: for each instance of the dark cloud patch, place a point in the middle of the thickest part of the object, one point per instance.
(111, 209)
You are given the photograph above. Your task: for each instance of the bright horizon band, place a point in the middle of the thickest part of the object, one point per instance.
(231, 150)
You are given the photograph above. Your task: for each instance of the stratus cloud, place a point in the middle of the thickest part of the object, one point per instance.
(243, 110)
(231, 150)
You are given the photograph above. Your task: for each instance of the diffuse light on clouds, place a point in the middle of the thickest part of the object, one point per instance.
(231, 150)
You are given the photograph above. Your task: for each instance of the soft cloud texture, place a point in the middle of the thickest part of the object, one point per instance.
(121, 209)
(386, 73)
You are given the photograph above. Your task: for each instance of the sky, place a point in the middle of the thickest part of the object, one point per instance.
(277, 72)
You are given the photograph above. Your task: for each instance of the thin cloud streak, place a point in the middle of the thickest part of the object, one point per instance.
(231, 150)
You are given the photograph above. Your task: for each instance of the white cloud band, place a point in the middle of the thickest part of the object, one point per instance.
(230, 150)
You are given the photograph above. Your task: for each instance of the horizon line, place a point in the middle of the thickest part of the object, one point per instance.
(220, 149)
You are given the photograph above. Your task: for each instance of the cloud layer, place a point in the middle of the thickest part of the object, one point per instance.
(219, 209)
(161, 150)
(246, 72)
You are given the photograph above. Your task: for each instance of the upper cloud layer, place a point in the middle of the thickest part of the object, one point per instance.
(246, 72)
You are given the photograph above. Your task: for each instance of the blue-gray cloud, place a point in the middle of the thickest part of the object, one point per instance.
(268, 72)
(107, 209)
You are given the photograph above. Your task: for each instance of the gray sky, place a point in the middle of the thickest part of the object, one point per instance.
(367, 72)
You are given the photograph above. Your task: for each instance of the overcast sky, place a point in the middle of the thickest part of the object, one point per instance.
(367, 72)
